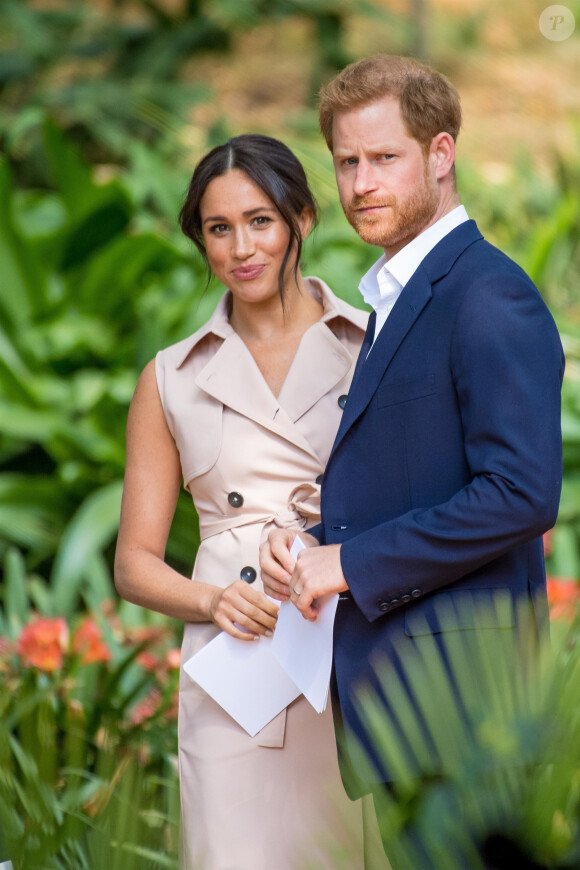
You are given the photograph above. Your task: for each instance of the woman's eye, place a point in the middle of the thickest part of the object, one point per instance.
(262, 220)
(218, 229)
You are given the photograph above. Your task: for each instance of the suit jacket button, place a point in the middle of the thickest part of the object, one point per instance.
(319, 479)
(384, 606)
(342, 401)
(248, 574)
(416, 593)
(236, 499)
(405, 598)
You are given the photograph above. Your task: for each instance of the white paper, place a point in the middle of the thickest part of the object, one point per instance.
(303, 648)
(245, 678)
(255, 680)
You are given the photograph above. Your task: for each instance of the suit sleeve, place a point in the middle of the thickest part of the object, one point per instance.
(507, 365)
(317, 532)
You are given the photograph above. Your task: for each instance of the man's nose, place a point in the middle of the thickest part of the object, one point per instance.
(365, 180)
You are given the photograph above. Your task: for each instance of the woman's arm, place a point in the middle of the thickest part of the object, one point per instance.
(151, 487)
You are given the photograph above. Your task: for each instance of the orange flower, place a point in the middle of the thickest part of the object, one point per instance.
(563, 597)
(148, 661)
(173, 659)
(147, 708)
(88, 643)
(42, 644)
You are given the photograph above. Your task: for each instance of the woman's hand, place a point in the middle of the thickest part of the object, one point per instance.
(243, 612)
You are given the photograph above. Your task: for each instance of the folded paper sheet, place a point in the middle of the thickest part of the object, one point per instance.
(303, 648)
(244, 678)
(253, 682)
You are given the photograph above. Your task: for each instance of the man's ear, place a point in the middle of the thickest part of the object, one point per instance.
(442, 154)
(305, 220)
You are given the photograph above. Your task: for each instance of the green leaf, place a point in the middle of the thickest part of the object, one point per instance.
(89, 532)
(16, 604)
(22, 289)
(70, 174)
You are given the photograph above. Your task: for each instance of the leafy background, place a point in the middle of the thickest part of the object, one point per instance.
(105, 108)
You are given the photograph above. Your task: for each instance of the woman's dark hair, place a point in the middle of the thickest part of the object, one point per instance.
(273, 167)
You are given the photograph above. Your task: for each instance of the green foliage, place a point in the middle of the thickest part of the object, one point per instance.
(87, 725)
(481, 735)
(87, 301)
(121, 69)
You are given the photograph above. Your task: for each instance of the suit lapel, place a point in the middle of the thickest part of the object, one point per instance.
(370, 369)
(414, 297)
(364, 351)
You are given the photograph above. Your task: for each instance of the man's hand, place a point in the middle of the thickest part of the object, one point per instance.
(277, 563)
(317, 572)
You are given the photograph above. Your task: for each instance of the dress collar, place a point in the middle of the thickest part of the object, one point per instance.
(219, 323)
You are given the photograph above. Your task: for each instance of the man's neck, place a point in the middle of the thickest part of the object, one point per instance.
(449, 201)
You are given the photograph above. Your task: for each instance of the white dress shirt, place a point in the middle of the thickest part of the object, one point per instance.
(383, 283)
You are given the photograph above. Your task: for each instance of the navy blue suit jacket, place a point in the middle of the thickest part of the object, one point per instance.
(447, 465)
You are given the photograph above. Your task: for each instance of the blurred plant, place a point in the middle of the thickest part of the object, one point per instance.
(109, 71)
(481, 733)
(79, 709)
(87, 299)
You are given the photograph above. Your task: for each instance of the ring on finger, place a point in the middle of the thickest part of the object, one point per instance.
(295, 591)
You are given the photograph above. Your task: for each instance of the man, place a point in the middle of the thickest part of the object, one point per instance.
(446, 469)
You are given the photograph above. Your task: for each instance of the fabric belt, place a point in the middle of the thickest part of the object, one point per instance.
(302, 508)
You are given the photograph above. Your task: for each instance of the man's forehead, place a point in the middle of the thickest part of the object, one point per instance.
(377, 123)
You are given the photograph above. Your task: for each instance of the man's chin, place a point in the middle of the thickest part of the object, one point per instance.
(370, 231)
(377, 235)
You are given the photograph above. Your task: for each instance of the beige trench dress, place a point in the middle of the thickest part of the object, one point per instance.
(251, 461)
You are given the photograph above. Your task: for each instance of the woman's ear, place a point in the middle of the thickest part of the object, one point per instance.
(305, 221)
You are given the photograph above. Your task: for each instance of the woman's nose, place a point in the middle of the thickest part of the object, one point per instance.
(243, 244)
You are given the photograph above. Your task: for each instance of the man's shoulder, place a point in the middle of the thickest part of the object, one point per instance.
(465, 254)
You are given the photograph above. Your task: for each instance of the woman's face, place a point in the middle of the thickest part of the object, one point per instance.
(245, 236)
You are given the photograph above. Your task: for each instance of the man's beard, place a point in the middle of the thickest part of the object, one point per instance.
(402, 221)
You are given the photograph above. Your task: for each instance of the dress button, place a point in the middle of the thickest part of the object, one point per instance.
(342, 400)
(248, 574)
(405, 599)
(319, 479)
(394, 602)
(235, 499)
(416, 593)
(384, 606)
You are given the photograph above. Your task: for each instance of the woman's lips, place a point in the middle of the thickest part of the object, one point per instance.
(247, 273)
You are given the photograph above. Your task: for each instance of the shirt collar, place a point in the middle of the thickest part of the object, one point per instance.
(387, 277)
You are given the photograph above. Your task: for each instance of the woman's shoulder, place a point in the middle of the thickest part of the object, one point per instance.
(201, 344)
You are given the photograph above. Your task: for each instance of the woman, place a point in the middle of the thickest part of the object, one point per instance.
(244, 412)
